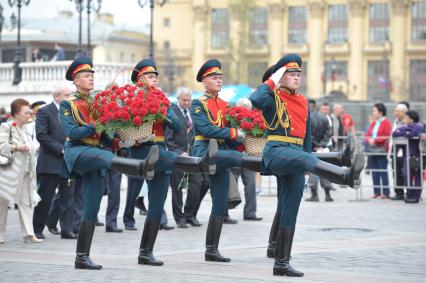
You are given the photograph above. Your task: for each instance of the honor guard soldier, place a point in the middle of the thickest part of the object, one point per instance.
(342, 158)
(287, 153)
(84, 156)
(208, 116)
(146, 71)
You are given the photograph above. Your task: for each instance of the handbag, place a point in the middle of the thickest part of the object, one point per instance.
(7, 160)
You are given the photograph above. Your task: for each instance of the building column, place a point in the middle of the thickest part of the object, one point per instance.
(200, 38)
(316, 56)
(398, 67)
(276, 10)
(357, 85)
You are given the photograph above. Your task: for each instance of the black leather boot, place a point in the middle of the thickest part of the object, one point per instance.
(253, 163)
(342, 158)
(82, 259)
(339, 175)
(196, 165)
(314, 196)
(272, 243)
(282, 253)
(212, 239)
(135, 167)
(149, 236)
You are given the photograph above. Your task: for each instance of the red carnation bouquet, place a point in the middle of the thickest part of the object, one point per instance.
(250, 121)
(129, 108)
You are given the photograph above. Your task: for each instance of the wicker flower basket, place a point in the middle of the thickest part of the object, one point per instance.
(254, 146)
(137, 133)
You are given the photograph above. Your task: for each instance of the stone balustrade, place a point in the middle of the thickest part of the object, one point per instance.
(39, 78)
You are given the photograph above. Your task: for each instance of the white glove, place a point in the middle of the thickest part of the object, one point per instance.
(146, 139)
(126, 144)
(323, 150)
(240, 134)
(276, 77)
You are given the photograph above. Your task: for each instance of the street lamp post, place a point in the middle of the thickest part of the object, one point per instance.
(143, 3)
(80, 7)
(97, 9)
(13, 22)
(17, 77)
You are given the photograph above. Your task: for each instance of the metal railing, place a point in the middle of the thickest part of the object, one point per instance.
(401, 143)
(269, 182)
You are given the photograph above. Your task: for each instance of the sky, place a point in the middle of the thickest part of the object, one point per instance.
(127, 12)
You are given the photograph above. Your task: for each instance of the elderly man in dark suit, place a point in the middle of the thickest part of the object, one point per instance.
(51, 137)
(180, 142)
(322, 132)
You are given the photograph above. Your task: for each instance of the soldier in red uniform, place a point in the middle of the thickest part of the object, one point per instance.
(288, 151)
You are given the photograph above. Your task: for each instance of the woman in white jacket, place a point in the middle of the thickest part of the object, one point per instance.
(18, 181)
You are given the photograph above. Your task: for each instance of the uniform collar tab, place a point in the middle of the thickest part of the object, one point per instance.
(287, 90)
(211, 95)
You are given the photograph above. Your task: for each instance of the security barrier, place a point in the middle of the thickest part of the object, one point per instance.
(399, 149)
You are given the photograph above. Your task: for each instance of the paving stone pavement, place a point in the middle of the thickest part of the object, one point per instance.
(342, 241)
